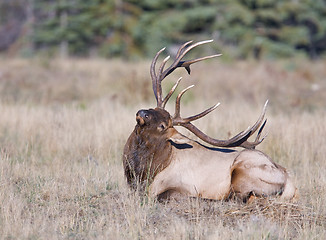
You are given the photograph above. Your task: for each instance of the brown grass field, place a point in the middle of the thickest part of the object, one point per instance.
(63, 125)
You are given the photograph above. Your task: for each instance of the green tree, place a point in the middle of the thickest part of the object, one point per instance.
(136, 28)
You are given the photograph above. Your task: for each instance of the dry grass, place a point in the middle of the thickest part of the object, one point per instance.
(63, 125)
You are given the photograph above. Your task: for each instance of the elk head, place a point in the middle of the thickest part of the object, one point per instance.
(148, 148)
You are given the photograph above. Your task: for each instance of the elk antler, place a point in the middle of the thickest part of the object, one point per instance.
(239, 140)
(158, 78)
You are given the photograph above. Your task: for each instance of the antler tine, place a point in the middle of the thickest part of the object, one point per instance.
(166, 99)
(153, 73)
(260, 120)
(260, 131)
(195, 117)
(251, 130)
(244, 135)
(177, 103)
(181, 53)
(182, 47)
(158, 83)
(186, 64)
(252, 145)
(177, 120)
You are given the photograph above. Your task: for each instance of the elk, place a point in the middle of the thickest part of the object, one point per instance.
(170, 164)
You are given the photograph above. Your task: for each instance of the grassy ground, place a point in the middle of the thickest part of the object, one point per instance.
(63, 126)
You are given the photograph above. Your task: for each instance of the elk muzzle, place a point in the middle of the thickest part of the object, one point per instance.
(141, 117)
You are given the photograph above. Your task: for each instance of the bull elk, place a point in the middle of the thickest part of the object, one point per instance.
(169, 163)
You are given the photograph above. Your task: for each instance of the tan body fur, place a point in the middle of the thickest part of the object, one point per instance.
(198, 171)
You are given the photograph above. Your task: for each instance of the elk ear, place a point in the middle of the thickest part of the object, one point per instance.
(162, 126)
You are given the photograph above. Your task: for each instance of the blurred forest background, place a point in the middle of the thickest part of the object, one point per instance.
(134, 29)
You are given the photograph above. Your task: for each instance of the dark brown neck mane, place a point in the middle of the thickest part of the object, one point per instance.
(145, 155)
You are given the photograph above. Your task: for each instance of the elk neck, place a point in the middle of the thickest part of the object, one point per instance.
(145, 155)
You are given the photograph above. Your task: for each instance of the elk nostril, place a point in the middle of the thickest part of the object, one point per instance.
(140, 120)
